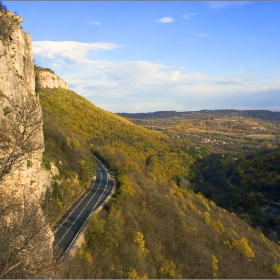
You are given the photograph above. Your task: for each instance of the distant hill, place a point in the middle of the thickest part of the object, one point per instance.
(261, 114)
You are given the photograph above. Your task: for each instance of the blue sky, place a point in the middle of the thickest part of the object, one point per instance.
(149, 56)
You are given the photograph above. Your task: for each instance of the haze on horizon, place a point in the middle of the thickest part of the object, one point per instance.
(151, 56)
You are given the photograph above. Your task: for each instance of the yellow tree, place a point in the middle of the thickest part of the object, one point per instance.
(140, 242)
(214, 266)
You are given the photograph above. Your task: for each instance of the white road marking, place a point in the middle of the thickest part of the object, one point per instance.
(77, 205)
(83, 210)
(69, 247)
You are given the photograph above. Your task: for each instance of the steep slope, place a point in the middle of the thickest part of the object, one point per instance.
(117, 139)
(247, 185)
(260, 174)
(259, 178)
(76, 166)
(26, 239)
(155, 226)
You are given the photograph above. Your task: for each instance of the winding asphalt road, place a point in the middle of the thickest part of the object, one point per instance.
(72, 222)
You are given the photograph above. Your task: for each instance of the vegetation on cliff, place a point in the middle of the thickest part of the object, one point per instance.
(5, 23)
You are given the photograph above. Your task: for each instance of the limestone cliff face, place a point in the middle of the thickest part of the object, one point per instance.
(17, 83)
(21, 124)
(16, 61)
(47, 79)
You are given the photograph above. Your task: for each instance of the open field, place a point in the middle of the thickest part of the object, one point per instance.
(224, 130)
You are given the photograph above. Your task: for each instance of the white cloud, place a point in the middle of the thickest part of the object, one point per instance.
(123, 87)
(165, 20)
(181, 40)
(202, 35)
(74, 51)
(95, 23)
(143, 86)
(187, 16)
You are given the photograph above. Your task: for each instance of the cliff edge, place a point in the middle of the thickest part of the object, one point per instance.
(46, 78)
(22, 180)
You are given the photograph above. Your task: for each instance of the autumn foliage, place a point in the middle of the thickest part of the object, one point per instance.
(154, 226)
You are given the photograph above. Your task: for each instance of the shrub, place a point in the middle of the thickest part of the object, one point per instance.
(206, 217)
(126, 188)
(214, 266)
(139, 240)
(276, 269)
(46, 164)
(132, 274)
(242, 246)
(220, 226)
(5, 23)
(29, 163)
(3, 7)
(168, 270)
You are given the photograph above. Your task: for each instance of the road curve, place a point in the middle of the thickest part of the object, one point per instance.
(71, 223)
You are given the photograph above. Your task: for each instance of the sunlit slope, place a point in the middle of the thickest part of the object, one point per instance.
(117, 140)
(72, 156)
(154, 226)
(81, 116)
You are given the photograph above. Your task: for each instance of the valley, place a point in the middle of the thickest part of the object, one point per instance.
(235, 139)
(162, 221)
(195, 193)
(223, 130)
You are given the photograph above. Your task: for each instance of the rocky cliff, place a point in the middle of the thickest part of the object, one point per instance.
(22, 180)
(16, 64)
(46, 78)
(17, 86)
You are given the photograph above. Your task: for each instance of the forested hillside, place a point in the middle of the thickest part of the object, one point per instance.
(261, 174)
(154, 226)
(247, 185)
(120, 143)
(72, 155)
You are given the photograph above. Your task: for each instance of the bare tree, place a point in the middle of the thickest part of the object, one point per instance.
(25, 242)
(20, 127)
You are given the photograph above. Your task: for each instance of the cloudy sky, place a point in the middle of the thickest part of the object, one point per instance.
(149, 56)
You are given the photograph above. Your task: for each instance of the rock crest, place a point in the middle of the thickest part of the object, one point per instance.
(47, 79)
(26, 182)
